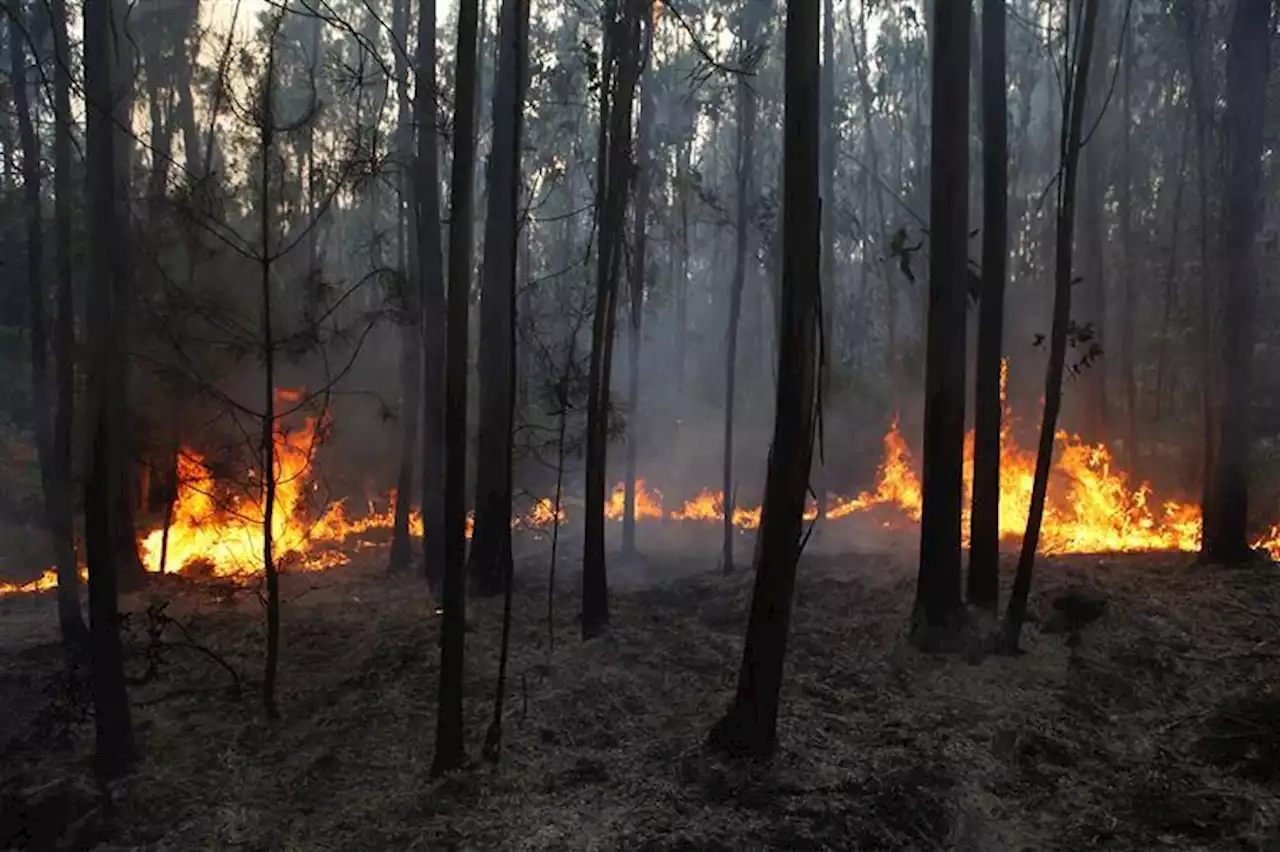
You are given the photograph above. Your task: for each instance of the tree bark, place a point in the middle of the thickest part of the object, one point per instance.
(636, 279)
(62, 521)
(622, 36)
(491, 543)
(426, 198)
(115, 752)
(411, 319)
(984, 537)
(749, 728)
(450, 744)
(1128, 296)
(1073, 123)
(745, 166)
(938, 600)
(1248, 67)
(1094, 423)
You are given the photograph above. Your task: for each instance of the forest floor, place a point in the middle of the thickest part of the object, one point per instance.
(1161, 730)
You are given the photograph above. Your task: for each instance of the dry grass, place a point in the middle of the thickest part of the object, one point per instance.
(1159, 732)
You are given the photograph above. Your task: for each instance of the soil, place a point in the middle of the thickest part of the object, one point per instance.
(1159, 728)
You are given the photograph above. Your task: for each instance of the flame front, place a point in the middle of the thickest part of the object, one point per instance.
(1092, 508)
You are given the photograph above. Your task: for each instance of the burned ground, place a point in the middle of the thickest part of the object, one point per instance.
(1161, 730)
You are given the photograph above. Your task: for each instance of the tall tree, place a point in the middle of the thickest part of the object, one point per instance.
(1084, 15)
(620, 72)
(1094, 404)
(410, 307)
(636, 275)
(938, 600)
(115, 751)
(1248, 68)
(62, 521)
(745, 166)
(450, 743)
(984, 538)
(750, 725)
(426, 200)
(1128, 307)
(519, 68)
(56, 501)
(491, 543)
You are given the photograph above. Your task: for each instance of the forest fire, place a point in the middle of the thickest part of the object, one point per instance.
(1092, 508)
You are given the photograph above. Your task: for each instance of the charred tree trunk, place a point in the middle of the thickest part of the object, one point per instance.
(115, 753)
(636, 279)
(267, 443)
(130, 573)
(68, 603)
(450, 744)
(1248, 67)
(1094, 408)
(426, 197)
(938, 600)
(491, 542)
(411, 318)
(1128, 296)
(1073, 125)
(62, 508)
(749, 728)
(622, 37)
(745, 166)
(984, 538)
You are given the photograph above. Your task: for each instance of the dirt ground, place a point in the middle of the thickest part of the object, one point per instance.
(1160, 730)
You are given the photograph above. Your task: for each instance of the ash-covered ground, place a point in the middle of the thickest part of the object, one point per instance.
(1161, 729)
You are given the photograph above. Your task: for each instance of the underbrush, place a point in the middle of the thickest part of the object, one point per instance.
(1158, 731)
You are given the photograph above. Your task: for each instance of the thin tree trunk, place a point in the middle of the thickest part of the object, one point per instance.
(938, 597)
(750, 725)
(426, 198)
(115, 752)
(639, 269)
(411, 321)
(267, 445)
(1095, 409)
(491, 543)
(450, 743)
(1071, 142)
(622, 37)
(1248, 67)
(62, 522)
(41, 424)
(1128, 309)
(984, 548)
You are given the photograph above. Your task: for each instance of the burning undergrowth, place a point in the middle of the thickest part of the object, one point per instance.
(883, 747)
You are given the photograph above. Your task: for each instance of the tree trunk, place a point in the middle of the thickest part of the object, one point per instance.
(750, 725)
(1128, 308)
(411, 320)
(1248, 67)
(984, 538)
(115, 753)
(491, 542)
(745, 166)
(267, 443)
(639, 269)
(450, 744)
(1073, 123)
(1094, 423)
(622, 36)
(62, 509)
(938, 601)
(130, 573)
(426, 198)
(68, 603)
